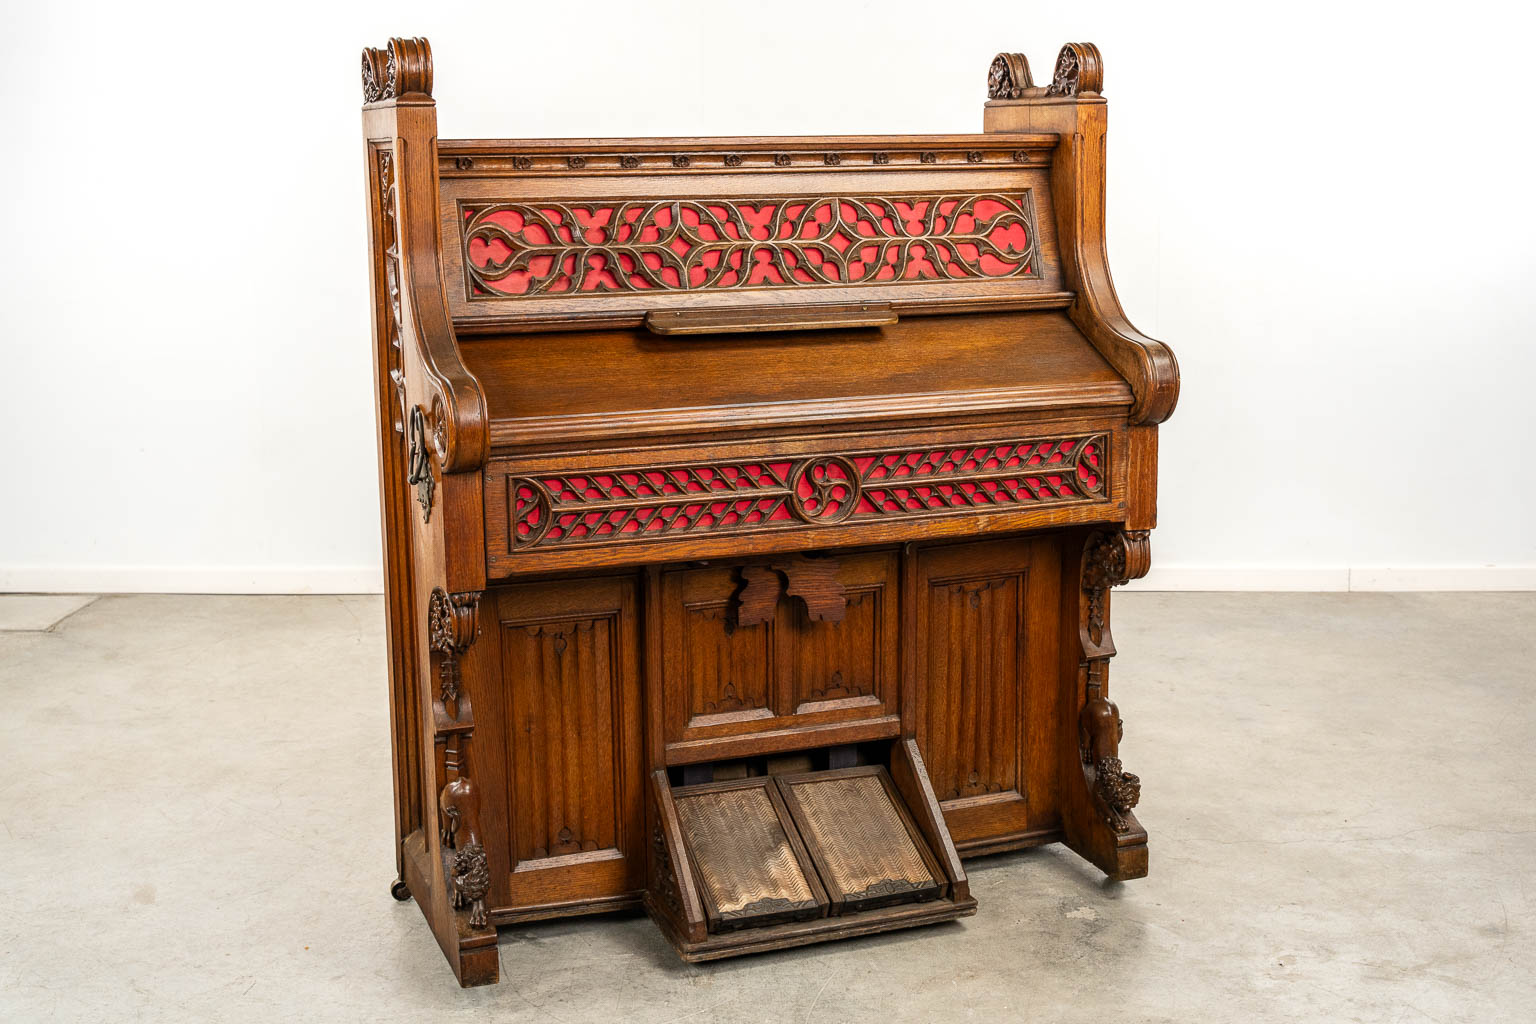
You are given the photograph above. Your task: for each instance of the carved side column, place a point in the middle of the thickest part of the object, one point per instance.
(453, 625)
(1099, 792)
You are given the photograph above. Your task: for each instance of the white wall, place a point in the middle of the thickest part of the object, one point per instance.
(1325, 209)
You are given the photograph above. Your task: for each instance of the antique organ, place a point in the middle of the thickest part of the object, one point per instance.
(751, 507)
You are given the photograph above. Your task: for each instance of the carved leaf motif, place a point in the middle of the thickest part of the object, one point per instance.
(1008, 77)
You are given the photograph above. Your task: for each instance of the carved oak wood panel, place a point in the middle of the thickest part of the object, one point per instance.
(785, 668)
(552, 247)
(967, 220)
(569, 669)
(986, 674)
(728, 668)
(851, 663)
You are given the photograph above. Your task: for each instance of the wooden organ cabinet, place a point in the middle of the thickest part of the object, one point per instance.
(751, 507)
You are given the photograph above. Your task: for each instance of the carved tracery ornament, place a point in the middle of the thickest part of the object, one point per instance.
(597, 246)
(645, 502)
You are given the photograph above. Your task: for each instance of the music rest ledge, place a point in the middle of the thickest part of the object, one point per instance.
(751, 508)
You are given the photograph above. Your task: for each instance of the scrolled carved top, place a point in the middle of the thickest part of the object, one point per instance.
(1116, 557)
(402, 67)
(1079, 69)
(1008, 77)
(452, 621)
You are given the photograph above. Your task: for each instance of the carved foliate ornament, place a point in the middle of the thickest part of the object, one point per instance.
(523, 249)
(402, 67)
(1111, 559)
(453, 622)
(1079, 69)
(1008, 77)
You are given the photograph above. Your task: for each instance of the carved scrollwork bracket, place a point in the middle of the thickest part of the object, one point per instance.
(453, 623)
(1008, 77)
(1109, 560)
(402, 67)
(1079, 69)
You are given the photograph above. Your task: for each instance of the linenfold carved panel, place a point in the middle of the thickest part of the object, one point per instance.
(646, 502)
(972, 675)
(563, 718)
(601, 246)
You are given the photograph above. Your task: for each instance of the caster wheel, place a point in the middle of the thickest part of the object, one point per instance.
(399, 890)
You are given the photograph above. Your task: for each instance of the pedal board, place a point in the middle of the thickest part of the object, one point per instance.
(771, 861)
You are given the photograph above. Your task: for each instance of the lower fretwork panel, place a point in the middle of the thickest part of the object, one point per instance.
(589, 684)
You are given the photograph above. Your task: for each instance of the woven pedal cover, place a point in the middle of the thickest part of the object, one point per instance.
(865, 850)
(752, 871)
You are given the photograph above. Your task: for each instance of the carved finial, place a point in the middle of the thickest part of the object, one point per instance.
(1079, 69)
(404, 66)
(1008, 77)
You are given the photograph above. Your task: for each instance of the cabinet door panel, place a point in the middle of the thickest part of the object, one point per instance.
(570, 684)
(723, 679)
(986, 665)
(848, 664)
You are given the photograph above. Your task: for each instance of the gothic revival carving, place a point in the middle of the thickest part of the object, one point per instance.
(758, 595)
(389, 246)
(666, 880)
(418, 468)
(402, 67)
(616, 245)
(1008, 77)
(452, 625)
(812, 580)
(1111, 559)
(471, 881)
(1078, 70)
(550, 161)
(1115, 791)
(646, 502)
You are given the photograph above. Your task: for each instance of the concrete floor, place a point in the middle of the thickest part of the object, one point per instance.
(1338, 789)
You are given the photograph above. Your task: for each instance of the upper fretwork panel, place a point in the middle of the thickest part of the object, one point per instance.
(561, 233)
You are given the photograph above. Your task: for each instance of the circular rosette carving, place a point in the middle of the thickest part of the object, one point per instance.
(825, 490)
(531, 514)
